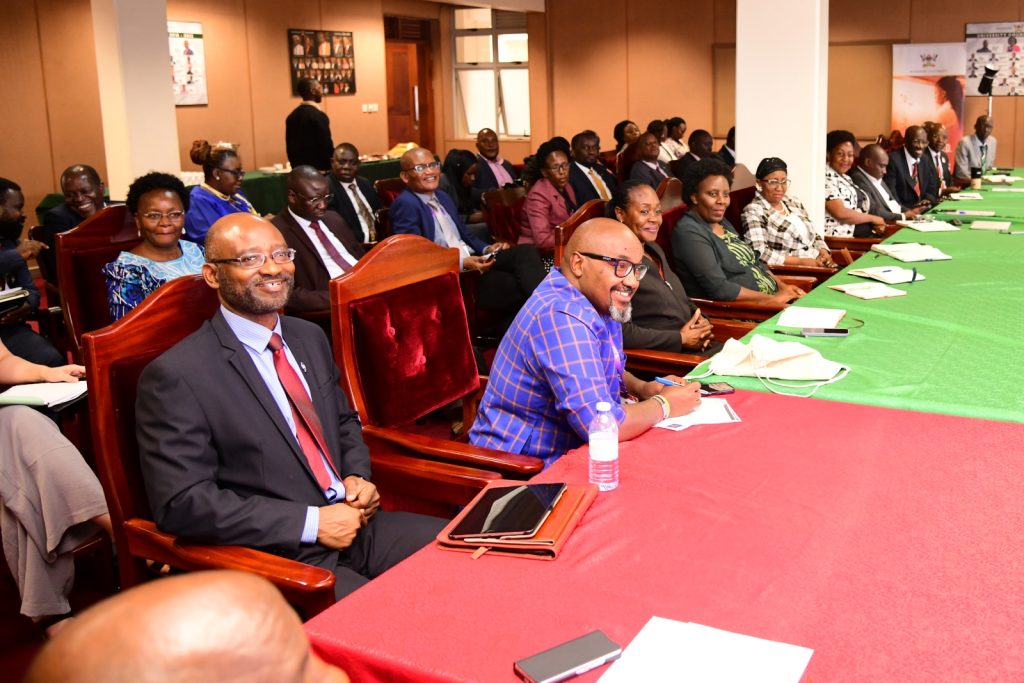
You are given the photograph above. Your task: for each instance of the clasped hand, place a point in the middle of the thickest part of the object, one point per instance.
(341, 522)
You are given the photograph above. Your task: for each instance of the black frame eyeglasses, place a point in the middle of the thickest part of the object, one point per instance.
(239, 174)
(622, 267)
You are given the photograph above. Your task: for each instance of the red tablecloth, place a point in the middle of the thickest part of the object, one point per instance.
(890, 542)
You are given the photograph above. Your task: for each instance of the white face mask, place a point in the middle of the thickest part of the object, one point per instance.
(769, 360)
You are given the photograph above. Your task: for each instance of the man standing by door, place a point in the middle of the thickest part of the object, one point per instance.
(307, 130)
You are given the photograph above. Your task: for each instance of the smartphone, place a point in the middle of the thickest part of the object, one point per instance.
(491, 256)
(716, 389)
(824, 332)
(568, 659)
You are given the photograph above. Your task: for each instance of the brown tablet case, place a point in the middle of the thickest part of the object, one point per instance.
(550, 537)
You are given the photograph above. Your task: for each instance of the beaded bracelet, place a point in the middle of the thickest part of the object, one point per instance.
(665, 410)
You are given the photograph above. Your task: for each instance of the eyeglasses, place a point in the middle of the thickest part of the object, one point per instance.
(420, 168)
(319, 199)
(239, 174)
(252, 261)
(156, 216)
(775, 184)
(622, 267)
(559, 168)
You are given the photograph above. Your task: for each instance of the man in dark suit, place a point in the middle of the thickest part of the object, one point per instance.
(587, 175)
(937, 140)
(911, 175)
(83, 196)
(701, 144)
(648, 169)
(245, 437)
(727, 152)
(353, 197)
(323, 242)
(492, 172)
(307, 130)
(870, 177)
(510, 273)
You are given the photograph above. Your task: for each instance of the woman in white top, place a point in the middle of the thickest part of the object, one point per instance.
(676, 130)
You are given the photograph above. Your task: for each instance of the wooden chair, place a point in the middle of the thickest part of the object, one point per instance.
(609, 159)
(402, 342)
(387, 189)
(738, 200)
(742, 177)
(625, 162)
(503, 211)
(670, 192)
(81, 254)
(595, 208)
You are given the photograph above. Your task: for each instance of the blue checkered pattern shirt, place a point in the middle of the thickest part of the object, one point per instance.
(557, 361)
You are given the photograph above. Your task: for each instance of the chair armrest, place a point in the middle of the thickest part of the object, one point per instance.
(890, 230)
(730, 329)
(739, 310)
(438, 482)
(308, 587)
(854, 244)
(661, 362)
(803, 282)
(509, 464)
(818, 273)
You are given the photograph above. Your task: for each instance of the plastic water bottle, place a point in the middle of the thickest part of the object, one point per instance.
(604, 448)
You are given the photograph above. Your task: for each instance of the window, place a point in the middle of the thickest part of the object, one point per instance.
(492, 79)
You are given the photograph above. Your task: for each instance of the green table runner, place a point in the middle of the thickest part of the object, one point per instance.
(954, 344)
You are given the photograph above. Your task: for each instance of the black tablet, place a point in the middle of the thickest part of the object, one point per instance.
(509, 511)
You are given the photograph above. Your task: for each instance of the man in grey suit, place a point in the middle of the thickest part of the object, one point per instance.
(648, 169)
(869, 176)
(245, 437)
(976, 151)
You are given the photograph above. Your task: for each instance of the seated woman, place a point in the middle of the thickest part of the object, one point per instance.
(625, 133)
(777, 225)
(551, 199)
(157, 202)
(663, 316)
(712, 260)
(674, 141)
(219, 193)
(50, 501)
(845, 203)
(459, 171)
(659, 129)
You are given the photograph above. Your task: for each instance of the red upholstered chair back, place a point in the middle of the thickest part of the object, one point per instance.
(671, 193)
(595, 208)
(668, 225)
(401, 339)
(116, 355)
(738, 201)
(81, 254)
(387, 189)
(629, 156)
(609, 158)
(503, 211)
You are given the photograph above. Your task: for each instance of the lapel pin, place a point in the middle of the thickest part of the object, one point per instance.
(302, 365)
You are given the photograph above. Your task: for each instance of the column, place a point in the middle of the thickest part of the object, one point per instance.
(140, 130)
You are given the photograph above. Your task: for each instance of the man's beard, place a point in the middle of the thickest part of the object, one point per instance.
(242, 297)
(11, 230)
(620, 315)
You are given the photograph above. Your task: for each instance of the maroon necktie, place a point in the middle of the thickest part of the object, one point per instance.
(307, 424)
(332, 251)
(917, 179)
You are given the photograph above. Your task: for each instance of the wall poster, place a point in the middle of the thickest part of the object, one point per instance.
(928, 85)
(188, 63)
(998, 45)
(326, 56)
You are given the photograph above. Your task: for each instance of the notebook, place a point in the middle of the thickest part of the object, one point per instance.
(890, 275)
(911, 252)
(49, 394)
(869, 290)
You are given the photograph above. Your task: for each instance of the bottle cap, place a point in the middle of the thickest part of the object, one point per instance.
(604, 406)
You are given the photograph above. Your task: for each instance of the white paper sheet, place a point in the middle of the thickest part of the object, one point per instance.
(929, 226)
(1008, 189)
(911, 252)
(711, 411)
(43, 393)
(869, 290)
(966, 195)
(890, 275)
(806, 316)
(994, 226)
(669, 650)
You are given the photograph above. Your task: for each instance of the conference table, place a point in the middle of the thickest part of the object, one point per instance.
(953, 344)
(886, 540)
(266, 191)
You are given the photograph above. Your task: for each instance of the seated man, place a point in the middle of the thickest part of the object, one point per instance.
(701, 144)
(493, 172)
(245, 437)
(353, 197)
(587, 175)
(15, 333)
(727, 152)
(220, 626)
(324, 245)
(937, 139)
(910, 175)
(976, 151)
(563, 354)
(509, 277)
(869, 176)
(648, 169)
(83, 196)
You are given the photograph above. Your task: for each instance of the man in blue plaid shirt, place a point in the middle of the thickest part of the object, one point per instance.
(563, 354)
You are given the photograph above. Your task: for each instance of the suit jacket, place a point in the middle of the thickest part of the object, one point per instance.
(968, 154)
(307, 137)
(543, 210)
(680, 165)
(485, 179)
(311, 276)
(898, 178)
(220, 464)
(659, 310)
(943, 168)
(725, 155)
(645, 173)
(583, 188)
(877, 206)
(342, 203)
(409, 215)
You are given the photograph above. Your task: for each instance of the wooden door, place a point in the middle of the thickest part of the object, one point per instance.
(408, 84)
